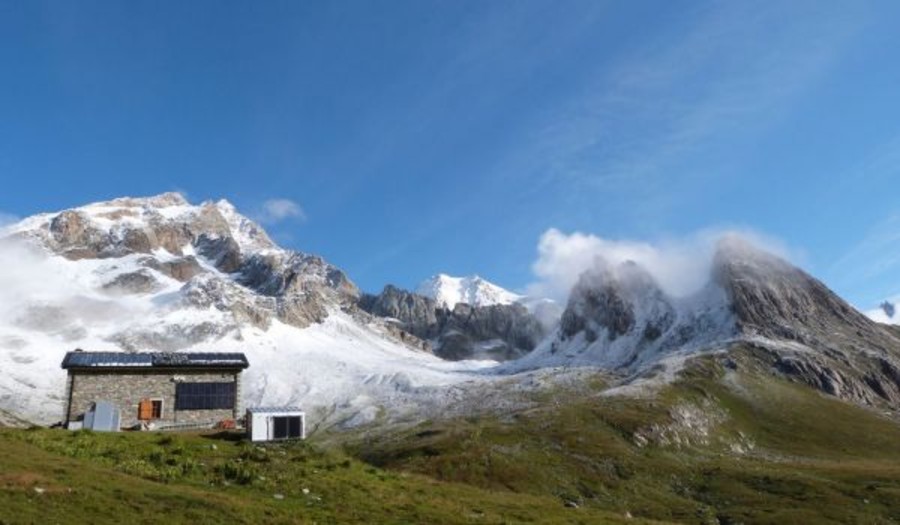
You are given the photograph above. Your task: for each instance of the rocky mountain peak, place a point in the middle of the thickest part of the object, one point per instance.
(209, 247)
(772, 298)
(618, 317)
(608, 301)
(162, 274)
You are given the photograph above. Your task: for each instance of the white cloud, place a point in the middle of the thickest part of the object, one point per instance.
(681, 266)
(278, 210)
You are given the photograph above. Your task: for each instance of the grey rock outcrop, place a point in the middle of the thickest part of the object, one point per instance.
(303, 286)
(607, 301)
(416, 313)
(499, 332)
(225, 261)
(139, 282)
(620, 318)
(182, 269)
(813, 334)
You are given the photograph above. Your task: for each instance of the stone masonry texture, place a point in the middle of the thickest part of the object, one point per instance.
(125, 389)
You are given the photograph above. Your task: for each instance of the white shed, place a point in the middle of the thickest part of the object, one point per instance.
(275, 423)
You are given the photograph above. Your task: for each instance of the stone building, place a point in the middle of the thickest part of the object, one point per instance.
(167, 389)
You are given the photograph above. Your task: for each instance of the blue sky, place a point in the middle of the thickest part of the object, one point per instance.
(418, 137)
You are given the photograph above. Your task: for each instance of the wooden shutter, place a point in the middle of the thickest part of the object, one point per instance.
(145, 410)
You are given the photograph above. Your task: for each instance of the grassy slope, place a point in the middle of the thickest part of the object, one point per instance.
(49, 476)
(718, 446)
(813, 459)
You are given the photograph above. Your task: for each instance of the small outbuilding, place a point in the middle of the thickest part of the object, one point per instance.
(157, 389)
(275, 423)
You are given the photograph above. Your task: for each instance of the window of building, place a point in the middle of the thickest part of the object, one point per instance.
(150, 409)
(204, 396)
(287, 427)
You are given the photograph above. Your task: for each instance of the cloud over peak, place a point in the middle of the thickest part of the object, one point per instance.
(680, 265)
(274, 211)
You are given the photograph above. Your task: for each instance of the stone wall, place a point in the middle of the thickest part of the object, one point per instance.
(125, 389)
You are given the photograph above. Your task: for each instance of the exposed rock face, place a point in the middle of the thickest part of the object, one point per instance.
(416, 313)
(182, 269)
(619, 317)
(607, 303)
(815, 335)
(499, 332)
(303, 286)
(141, 281)
(225, 261)
(773, 298)
(223, 252)
(75, 238)
(125, 226)
(229, 298)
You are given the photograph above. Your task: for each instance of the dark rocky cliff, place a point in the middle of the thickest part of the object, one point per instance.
(499, 332)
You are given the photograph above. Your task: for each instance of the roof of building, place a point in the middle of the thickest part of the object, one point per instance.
(272, 410)
(81, 359)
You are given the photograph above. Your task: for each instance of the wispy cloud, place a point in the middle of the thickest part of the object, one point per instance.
(274, 211)
(870, 267)
(636, 135)
(632, 129)
(882, 163)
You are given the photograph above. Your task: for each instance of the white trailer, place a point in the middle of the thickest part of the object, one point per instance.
(275, 423)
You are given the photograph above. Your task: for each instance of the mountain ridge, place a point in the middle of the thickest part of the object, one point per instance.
(159, 273)
(619, 317)
(490, 331)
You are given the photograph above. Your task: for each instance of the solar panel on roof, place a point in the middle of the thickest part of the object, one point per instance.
(170, 358)
(159, 359)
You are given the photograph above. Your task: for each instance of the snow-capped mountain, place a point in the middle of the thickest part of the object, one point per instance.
(619, 317)
(449, 291)
(162, 274)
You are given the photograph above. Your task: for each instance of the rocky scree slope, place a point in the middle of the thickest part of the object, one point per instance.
(494, 331)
